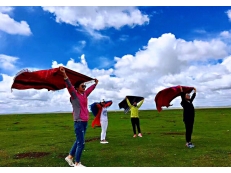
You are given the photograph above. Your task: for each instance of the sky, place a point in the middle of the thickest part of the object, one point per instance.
(132, 50)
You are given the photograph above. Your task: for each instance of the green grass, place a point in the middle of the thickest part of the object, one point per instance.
(162, 145)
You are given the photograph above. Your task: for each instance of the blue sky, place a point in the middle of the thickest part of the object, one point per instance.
(132, 50)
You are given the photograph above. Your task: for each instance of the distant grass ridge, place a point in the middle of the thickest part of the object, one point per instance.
(44, 140)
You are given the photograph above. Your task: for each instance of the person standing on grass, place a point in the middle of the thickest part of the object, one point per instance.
(101, 119)
(80, 116)
(135, 116)
(188, 115)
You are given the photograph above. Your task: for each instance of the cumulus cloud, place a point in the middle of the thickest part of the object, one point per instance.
(165, 61)
(98, 18)
(6, 9)
(225, 34)
(7, 63)
(10, 26)
(201, 50)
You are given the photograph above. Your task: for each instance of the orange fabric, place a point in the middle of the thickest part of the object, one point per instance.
(96, 121)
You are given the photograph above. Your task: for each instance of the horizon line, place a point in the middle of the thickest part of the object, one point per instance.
(118, 110)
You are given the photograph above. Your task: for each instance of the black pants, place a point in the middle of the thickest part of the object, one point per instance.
(135, 123)
(189, 130)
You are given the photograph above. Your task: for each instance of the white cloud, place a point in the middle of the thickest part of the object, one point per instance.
(80, 46)
(104, 62)
(10, 26)
(5, 84)
(80, 66)
(167, 61)
(18, 101)
(200, 31)
(225, 34)
(98, 18)
(163, 62)
(95, 34)
(7, 62)
(201, 50)
(6, 9)
(229, 14)
(124, 37)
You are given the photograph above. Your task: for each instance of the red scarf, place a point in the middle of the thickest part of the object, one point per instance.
(51, 79)
(165, 96)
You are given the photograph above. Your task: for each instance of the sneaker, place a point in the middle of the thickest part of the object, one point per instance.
(69, 161)
(189, 145)
(106, 142)
(140, 135)
(79, 165)
(103, 142)
(134, 136)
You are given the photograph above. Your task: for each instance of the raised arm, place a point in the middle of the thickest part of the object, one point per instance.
(128, 102)
(182, 94)
(108, 104)
(193, 96)
(68, 84)
(91, 88)
(140, 103)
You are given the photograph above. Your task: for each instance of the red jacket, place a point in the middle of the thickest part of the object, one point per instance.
(96, 121)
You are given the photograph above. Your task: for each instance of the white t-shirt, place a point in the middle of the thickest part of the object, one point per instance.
(103, 116)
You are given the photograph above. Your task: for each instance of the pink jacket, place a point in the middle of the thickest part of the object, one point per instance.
(79, 101)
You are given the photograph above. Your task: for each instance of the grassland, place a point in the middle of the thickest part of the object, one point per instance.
(44, 140)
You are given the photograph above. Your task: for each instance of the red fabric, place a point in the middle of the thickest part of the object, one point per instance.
(51, 79)
(165, 96)
(96, 121)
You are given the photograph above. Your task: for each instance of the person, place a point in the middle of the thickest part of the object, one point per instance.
(80, 116)
(101, 119)
(188, 115)
(135, 116)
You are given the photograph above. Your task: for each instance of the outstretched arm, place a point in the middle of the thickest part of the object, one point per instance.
(128, 102)
(194, 95)
(140, 103)
(194, 90)
(61, 68)
(68, 84)
(108, 104)
(181, 90)
(91, 88)
(182, 94)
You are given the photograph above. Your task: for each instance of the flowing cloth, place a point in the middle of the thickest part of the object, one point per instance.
(96, 110)
(165, 96)
(51, 79)
(123, 104)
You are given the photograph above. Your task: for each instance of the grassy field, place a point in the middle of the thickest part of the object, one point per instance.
(44, 140)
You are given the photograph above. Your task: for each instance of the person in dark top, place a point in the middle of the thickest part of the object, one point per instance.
(188, 115)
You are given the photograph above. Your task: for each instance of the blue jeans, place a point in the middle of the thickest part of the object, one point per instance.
(78, 146)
